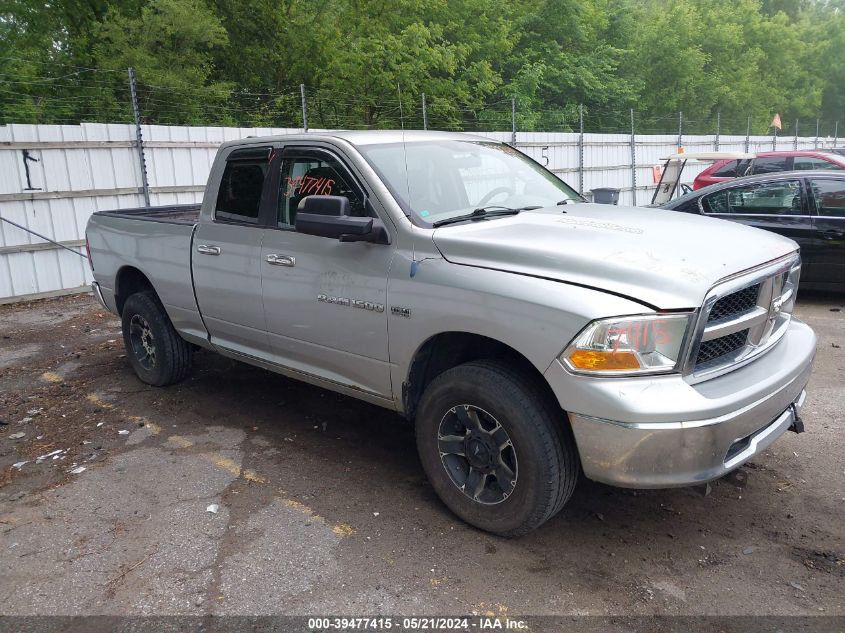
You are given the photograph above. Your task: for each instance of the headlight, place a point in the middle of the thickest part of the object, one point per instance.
(646, 344)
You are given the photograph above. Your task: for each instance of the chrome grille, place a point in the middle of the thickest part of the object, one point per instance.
(743, 317)
(718, 347)
(735, 303)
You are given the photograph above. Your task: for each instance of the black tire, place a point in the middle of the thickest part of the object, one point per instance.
(155, 350)
(543, 450)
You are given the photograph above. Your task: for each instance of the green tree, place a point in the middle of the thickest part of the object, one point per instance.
(371, 50)
(241, 61)
(170, 43)
(830, 64)
(567, 54)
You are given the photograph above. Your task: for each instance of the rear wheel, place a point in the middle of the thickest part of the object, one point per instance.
(495, 448)
(155, 350)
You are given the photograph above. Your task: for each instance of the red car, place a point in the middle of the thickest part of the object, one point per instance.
(767, 163)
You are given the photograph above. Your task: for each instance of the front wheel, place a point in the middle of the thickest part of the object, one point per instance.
(495, 448)
(155, 350)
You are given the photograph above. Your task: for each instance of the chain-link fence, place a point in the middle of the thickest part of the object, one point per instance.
(73, 94)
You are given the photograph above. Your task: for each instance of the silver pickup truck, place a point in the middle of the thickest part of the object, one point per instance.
(528, 335)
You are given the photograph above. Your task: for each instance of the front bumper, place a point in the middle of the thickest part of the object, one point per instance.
(661, 432)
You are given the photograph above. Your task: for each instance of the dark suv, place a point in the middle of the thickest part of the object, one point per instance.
(807, 206)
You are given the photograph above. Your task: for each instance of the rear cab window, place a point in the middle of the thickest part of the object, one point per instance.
(242, 185)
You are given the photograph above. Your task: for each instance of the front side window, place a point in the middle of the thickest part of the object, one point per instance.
(770, 165)
(239, 196)
(314, 176)
(830, 197)
(773, 198)
(441, 179)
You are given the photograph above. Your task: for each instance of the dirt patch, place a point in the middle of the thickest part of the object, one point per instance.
(68, 342)
(819, 560)
(337, 484)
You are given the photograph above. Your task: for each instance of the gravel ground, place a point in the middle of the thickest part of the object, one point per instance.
(242, 492)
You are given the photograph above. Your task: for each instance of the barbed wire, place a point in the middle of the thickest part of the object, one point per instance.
(64, 93)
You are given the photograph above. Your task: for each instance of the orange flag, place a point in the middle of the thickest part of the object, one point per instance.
(776, 122)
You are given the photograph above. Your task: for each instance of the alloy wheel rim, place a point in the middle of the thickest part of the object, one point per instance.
(477, 454)
(143, 342)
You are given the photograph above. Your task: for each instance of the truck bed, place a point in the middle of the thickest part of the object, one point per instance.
(156, 242)
(173, 214)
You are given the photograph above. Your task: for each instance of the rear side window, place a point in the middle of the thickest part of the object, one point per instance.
(772, 198)
(239, 197)
(732, 169)
(769, 165)
(830, 197)
(811, 162)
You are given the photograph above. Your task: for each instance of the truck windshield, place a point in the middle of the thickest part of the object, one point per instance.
(438, 180)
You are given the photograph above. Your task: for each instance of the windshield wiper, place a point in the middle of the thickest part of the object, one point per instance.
(491, 211)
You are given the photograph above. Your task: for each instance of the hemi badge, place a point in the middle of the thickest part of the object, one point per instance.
(399, 311)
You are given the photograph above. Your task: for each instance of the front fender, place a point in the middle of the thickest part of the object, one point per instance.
(536, 317)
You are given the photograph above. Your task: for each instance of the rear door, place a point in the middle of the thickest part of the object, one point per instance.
(227, 256)
(325, 300)
(828, 196)
(780, 205)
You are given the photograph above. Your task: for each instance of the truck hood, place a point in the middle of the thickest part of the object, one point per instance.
(665, 259)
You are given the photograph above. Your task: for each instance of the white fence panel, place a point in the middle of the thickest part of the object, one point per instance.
(76, 170)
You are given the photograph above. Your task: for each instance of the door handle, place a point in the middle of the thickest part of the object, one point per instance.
(281, 260)
(205, 249)
(832, 235)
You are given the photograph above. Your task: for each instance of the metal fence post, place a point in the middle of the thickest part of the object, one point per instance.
(304, 108)
(775, 139)
(581, 148)
(817, 133)
(680, 130)
(748, 136)
(795, 142)
(836, 134)
(139, 141)
(633, 162)
(425, 113)
(718, 130)
(513, 120)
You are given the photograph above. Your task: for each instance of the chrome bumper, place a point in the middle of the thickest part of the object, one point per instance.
(98, 295)
(679, 444)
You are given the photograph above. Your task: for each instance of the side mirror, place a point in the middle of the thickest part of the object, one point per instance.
(328, 216)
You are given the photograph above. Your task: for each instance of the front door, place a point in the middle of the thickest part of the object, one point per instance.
(780, 206)
(325, 300)
(226, 257)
